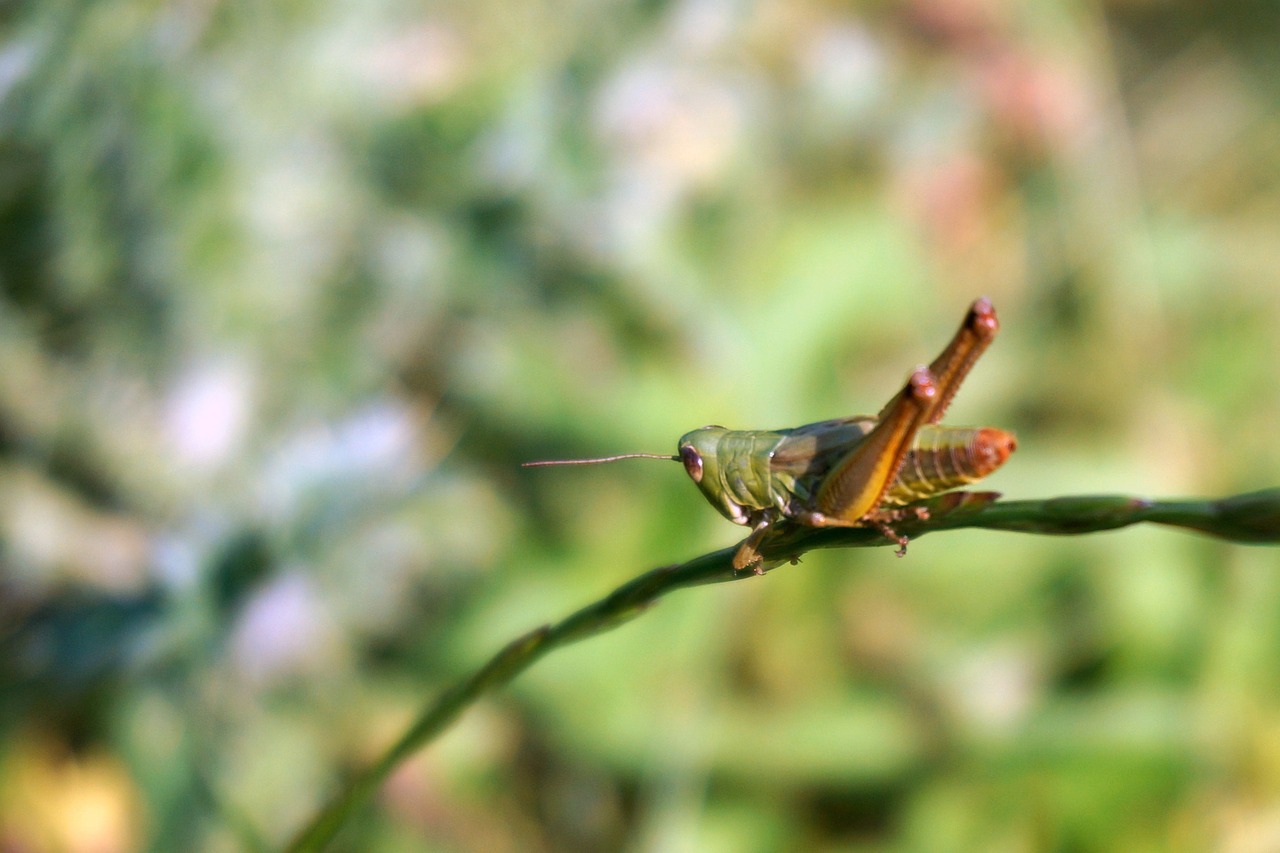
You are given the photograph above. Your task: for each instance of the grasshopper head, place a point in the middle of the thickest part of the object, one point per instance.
(698, 450)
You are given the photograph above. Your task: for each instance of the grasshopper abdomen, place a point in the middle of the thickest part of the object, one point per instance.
(945, 458)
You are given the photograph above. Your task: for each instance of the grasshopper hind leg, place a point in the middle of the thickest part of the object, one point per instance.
(883, 520)
(853, 491)
(853, 488)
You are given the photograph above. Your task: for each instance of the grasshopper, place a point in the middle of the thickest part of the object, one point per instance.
(859, 471)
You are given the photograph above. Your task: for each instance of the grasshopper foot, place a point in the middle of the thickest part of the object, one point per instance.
(892, 535)
(748, 557)
(882, 521)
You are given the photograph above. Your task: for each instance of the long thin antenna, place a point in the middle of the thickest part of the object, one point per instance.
(601, 459)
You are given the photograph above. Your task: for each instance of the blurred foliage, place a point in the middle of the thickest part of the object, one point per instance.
(287, 292)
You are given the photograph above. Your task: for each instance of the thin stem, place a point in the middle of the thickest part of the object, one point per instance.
(1249, 518)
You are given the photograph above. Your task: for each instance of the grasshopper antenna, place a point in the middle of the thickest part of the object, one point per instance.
(601, 459)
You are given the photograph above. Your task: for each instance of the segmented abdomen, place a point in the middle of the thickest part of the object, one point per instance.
(944, 458)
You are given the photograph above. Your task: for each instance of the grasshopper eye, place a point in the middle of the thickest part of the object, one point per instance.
(692, 462)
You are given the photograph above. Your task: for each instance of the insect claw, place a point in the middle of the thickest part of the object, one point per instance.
(893, 535)
(747, 557)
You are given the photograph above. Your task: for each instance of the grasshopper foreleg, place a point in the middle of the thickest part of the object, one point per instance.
(748, 553)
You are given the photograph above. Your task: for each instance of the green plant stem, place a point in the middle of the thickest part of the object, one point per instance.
(1249, 518)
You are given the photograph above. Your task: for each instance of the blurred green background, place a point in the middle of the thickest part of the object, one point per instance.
(288, 291)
